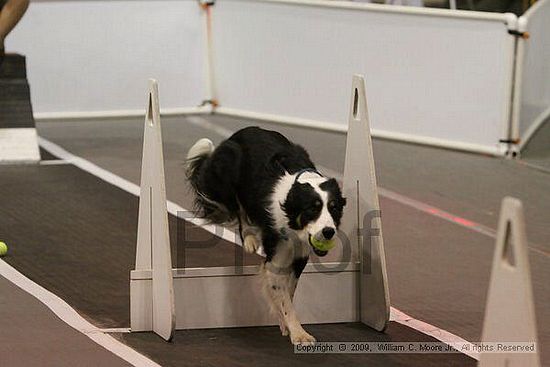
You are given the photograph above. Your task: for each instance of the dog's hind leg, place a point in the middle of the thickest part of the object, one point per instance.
(251, 243)
(215, 177)
(250, 234)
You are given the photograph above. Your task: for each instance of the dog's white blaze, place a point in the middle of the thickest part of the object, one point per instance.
(324, 220)
(280, 192)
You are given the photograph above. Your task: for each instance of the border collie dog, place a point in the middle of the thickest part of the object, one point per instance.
(267, 184)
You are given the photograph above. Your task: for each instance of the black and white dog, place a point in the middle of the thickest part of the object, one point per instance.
(268, 185)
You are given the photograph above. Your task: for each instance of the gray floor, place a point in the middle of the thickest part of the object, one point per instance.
(31, 335)
(537, 151)
(264, 346)
(83, 230)
(438, 271)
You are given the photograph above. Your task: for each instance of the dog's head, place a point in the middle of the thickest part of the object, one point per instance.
(313, 207)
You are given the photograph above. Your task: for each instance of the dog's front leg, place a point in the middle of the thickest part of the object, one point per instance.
(279, 285)
(292, 283)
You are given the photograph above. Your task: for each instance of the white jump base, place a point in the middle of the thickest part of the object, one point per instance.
(217, 297)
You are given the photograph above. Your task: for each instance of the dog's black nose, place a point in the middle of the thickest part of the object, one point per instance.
(328, 232)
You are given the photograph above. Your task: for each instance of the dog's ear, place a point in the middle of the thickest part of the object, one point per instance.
(332, 187)
(335, 195)
(294, 205)
(291, 159)
(277, 163)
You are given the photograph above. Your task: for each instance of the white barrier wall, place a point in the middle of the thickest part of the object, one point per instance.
(433, 76)
(534, 69)
(96, 56)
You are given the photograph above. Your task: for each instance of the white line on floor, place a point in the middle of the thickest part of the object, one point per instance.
(130, 187)
(66, 313)
(116, 330)
(204, 123)
(230, 236)
(425, 208)
(433, 331)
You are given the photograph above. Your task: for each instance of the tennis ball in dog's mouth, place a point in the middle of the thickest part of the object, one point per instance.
(321, 245)
(3, 248)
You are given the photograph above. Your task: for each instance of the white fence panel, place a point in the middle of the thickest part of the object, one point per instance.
(534, 104)
(96, 56)
(433, 76)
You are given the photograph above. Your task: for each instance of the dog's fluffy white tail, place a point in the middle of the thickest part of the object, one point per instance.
(203, 148)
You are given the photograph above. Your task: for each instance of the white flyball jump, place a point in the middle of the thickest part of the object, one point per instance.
(337, 291)
(510, 311)
(153, 240)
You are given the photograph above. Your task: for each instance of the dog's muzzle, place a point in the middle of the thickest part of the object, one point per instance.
(315, 249)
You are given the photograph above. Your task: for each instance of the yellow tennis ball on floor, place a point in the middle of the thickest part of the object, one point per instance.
(3, 248)
(320, 244)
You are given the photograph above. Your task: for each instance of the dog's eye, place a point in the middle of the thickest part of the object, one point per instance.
(332, 204)
(317, 204)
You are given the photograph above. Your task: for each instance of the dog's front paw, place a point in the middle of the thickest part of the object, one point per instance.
(250, 244)
(302, 338)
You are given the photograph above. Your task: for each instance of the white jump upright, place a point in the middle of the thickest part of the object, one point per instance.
(510, 310)
(153, 240)
(361, 222)
(329, 292)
